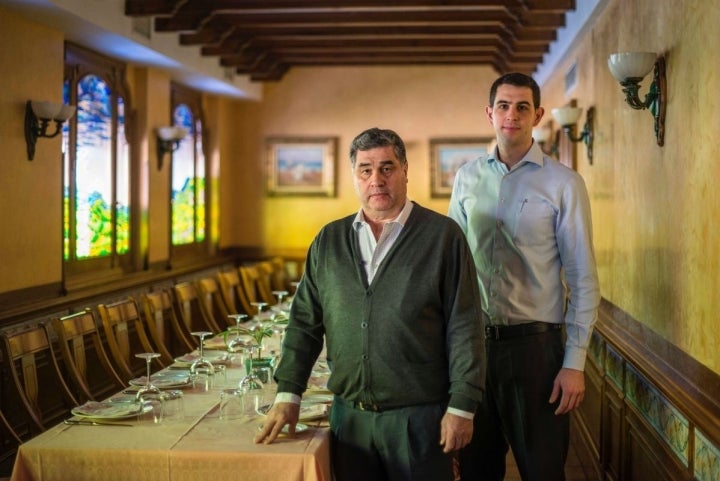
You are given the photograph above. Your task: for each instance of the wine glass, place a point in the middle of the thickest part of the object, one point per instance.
(253, 392)
(148, 390)
(237, 344)
(280, 296)
(259, 306)
(201, 362)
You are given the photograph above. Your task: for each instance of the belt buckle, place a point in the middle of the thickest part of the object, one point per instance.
(492, 332)
(367, 407)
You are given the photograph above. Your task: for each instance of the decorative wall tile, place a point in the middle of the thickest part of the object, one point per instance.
(707, 459)
(669, 423)
(614, 366)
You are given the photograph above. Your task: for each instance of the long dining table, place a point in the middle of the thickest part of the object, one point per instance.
(200, 445)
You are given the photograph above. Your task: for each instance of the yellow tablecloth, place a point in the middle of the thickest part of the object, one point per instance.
(200, 446)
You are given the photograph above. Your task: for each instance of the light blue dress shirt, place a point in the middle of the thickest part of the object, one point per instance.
(530, 232)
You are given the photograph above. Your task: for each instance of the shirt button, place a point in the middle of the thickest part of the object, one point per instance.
(365, 357)
(364, 325)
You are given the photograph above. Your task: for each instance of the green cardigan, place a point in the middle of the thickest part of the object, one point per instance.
(413, 336)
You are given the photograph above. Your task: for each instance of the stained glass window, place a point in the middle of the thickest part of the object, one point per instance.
(96, 154)
(188, 177)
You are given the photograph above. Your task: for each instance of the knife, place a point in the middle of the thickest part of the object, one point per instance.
(83, 422)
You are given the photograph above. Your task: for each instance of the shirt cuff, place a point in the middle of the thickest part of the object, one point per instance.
(287, 397)
(462, 414)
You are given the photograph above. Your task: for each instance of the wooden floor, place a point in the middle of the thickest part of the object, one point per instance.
(573, 468)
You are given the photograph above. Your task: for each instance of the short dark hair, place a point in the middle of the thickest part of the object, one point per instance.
(518, 80)
(375, 137)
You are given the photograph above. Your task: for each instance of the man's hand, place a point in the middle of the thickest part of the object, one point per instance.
(455, 432)
(278, 416)
(571, 383)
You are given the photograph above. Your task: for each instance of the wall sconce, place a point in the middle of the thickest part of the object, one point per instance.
(544, 137)
(168, 141)
(37, 120)
(629, 69)
(567, 117)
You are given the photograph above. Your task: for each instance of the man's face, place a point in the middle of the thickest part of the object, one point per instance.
(380, 182)
(513, 115)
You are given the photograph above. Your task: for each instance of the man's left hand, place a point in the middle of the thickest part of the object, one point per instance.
(571, 384)
(455, 432)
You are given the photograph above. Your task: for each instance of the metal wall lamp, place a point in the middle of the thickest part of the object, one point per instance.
(629, 68)
(567, 117)
(38, 116)
(168, 141)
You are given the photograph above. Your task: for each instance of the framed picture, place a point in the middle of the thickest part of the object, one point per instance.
(446, 157)
(301, 166)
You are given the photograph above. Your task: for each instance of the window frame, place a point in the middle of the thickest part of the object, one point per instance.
(185, 253)
(80, 62)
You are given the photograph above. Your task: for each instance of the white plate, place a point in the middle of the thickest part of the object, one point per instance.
(166, 381)
(107, 410)
(210, 355)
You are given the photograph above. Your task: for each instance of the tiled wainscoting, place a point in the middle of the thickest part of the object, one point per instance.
(651, 412)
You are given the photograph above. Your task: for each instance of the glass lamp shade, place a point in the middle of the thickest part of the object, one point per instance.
(66, 111)
(541, 134)
(46, 110)
(631, 64)
(567, 115)
(171, 133)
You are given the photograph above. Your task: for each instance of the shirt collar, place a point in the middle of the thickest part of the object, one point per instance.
(400, 219)
(534, 155)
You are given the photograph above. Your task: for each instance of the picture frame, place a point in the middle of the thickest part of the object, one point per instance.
(303, 166)
(447, 156)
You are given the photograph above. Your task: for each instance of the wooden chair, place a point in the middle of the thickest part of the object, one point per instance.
(211, 302)
(233, 294)
(85, 358)
(35, 372)
(191, 312)
(126, 336)
(256, 285)
(280, 280)
(159, 309)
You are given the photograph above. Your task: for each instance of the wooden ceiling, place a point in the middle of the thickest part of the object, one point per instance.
(266, 38)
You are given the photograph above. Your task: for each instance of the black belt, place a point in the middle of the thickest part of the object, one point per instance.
(361, 406)
(500, 333)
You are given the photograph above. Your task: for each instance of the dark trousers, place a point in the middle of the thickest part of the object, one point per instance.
(396, 445)
(515, 412)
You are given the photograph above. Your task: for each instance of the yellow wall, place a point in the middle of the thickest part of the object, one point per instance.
(655, 208)
(30, 192)
(418, 102)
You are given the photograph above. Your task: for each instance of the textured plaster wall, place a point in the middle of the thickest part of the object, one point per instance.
(656, 208)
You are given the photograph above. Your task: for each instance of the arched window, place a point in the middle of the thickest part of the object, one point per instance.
(188, 190)
(96, 177)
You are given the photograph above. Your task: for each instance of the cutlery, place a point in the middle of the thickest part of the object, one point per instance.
(82, 422)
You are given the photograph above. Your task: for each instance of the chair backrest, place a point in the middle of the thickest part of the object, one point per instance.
(255, 284)
(84, 356)
(191, 312)
(160, 311)
(280, 279)
(34, 369)
(267, 277)
(126, 336)
(211, 302)
(233, 293)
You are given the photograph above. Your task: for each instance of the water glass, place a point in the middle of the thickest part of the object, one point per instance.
(231, 404)
(174, 409)
(203, 379)
(153, 408)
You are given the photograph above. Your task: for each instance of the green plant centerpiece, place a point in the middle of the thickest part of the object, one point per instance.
(257, 333)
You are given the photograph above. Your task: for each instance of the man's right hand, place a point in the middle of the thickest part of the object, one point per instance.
(280, 414)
